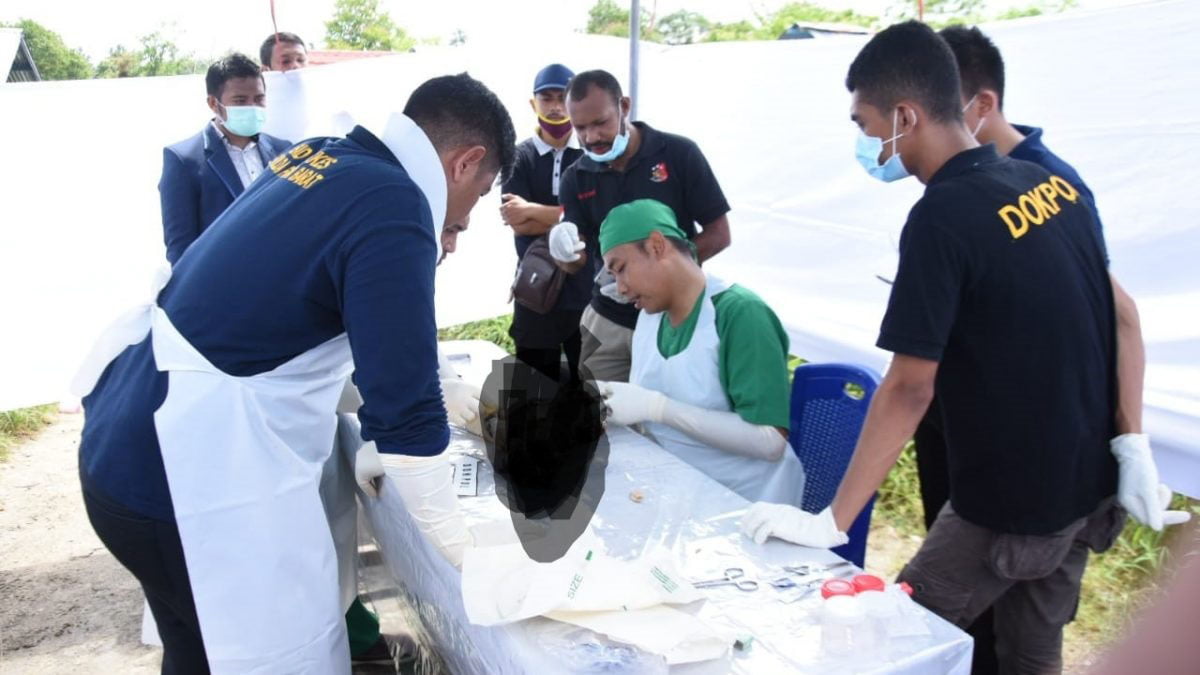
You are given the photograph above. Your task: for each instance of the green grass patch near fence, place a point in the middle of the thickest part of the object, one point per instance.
(19, 425)
(493, 330)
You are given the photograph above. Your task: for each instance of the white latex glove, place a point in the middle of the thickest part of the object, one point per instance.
(368, 469)
(726, 430)
(428, 493)
(630, 404)
(564, 242)
(462, 404)
(610, 291)
(789, 523)
(1138, 489)
(608, 287)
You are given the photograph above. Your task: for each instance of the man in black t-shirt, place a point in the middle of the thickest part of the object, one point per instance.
(625, 161)
(530, 207)
(1003, 299)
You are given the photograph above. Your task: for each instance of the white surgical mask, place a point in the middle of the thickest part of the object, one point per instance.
(979, 126)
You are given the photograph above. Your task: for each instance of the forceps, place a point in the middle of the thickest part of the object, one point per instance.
(733, 577)
(805, 569)
(821, 572)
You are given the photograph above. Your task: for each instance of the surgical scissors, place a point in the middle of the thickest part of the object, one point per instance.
(733, 577)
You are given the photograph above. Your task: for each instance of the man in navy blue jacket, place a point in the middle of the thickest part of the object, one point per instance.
(203, 175)
(205, 435)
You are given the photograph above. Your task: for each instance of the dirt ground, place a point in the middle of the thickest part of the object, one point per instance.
(68, 606)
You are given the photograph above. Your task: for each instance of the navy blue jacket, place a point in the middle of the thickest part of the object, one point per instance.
(335, 237)
(1032, 149)
(199, 182)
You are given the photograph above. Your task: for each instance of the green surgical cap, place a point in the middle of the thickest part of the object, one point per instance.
(635, 221)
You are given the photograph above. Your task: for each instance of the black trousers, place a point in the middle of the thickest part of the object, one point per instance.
(152, 552)
(549, 361)
(933, 472)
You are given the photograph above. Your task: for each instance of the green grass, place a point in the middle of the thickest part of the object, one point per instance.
(1119, 583)
(1116, 585)
(899, 499)
(18, 425)
(494, 330)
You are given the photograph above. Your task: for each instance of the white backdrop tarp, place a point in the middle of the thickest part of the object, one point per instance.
(80, 229)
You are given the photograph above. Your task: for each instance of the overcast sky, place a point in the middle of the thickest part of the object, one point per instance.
(212, 27)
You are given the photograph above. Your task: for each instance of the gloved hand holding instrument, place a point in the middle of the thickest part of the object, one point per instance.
(428, 493)
(629, 404)
(459, 396)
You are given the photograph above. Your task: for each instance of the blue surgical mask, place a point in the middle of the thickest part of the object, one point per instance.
(244, 120)
(618, 147)
(868, 149)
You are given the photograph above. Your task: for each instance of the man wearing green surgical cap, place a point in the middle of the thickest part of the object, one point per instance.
(709, 375)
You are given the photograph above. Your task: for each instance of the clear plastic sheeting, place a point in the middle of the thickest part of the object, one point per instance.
(653, 504)
(1115, 91)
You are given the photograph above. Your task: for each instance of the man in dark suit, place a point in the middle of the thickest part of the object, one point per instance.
(203, 175)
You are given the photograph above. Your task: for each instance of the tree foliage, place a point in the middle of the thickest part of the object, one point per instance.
(806, 12)
(53, 58)
(156, 55)
(360, 24)
(606, 17)
(683, 27)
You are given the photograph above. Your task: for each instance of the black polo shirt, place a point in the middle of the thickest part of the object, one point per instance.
(1002, 281)
(537, 172)
(666, 167)
(536, 177)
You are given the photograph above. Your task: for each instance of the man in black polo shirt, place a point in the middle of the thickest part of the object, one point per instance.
(981, 73)
(1003, 299)
(624, 161)
(530, 207)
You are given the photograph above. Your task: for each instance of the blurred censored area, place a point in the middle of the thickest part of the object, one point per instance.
(546, 443)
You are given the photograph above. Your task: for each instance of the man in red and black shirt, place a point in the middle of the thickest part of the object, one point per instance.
(624, 161)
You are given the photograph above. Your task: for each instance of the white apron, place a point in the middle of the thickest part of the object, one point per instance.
(693, 377)
(243, 458)
(338, 496)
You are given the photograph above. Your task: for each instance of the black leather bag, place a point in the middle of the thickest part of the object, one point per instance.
(539, 280)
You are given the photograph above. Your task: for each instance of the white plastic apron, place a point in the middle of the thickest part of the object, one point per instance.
(693, 377)
(244, 457)
(338, 496)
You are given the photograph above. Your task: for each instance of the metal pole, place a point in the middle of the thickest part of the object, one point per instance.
(635, 30)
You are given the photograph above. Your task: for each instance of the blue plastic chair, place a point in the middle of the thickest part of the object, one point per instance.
(826, 419)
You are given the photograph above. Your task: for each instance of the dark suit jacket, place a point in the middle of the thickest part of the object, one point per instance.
(199, 182)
